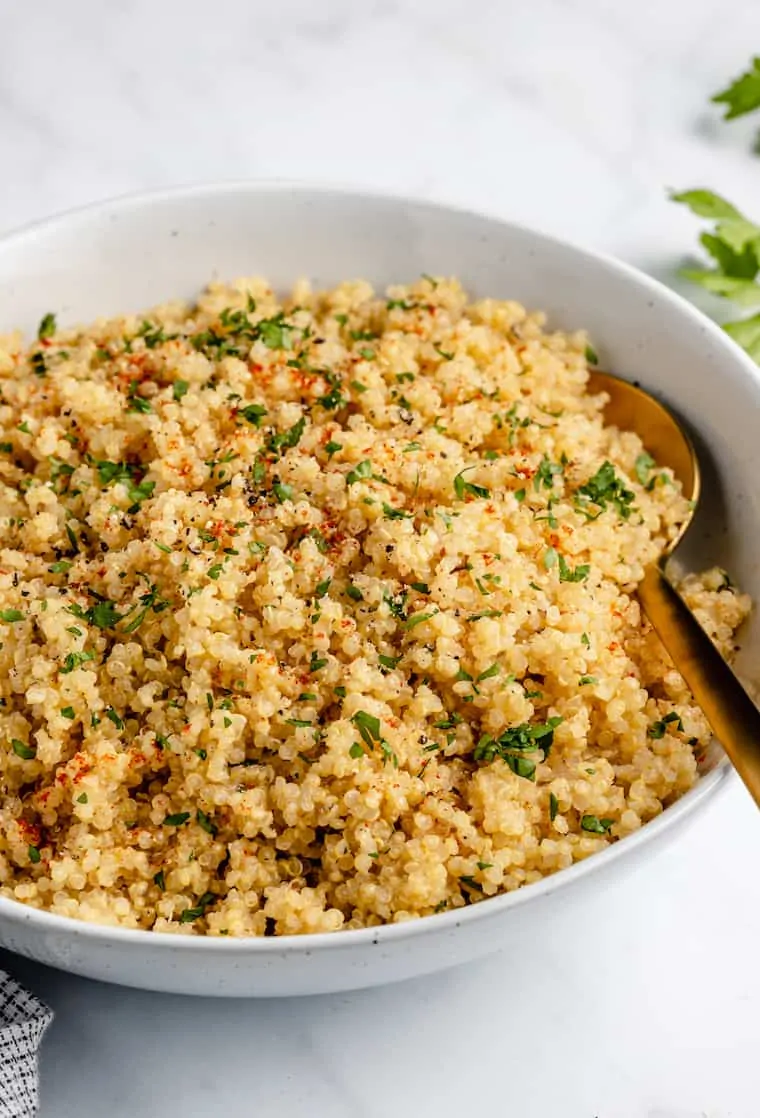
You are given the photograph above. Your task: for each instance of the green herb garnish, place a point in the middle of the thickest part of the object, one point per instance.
(11, 615)
(360, 472)
(22, 750)
(742, 95)
(606, 488)
(395, 514)
(546, 473)
(596, 825)
(463, 488)
(206, 823)
(570, 574)
(517, 741)
(47, 327)
(75, 660)
(254, 413)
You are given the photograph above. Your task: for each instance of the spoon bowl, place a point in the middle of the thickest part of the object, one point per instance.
(733, 717)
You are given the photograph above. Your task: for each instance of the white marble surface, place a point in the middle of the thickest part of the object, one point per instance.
(573, 117)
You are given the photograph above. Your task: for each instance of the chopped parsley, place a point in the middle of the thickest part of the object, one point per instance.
(658, 729)
(282, 491)
(75, 660)
(47, 327)
(644, 465)
(512, 745)
(395, 514)
(22, 750)
(368, 726)
(136, 402)
(360, 472)
(332, 448)
(254, 413)
(103, 614)
(112, 473)
(553, 806)
(489, 673)
(570, 574)
(464, 488)
(177, 819)
(595, 825)
(206, 823)
(115, 718)
(68, 712)
(11, 615)
(605, 488)
(417, 619)
(275, 333)
(180, 389)
(546, 473)
(34, 854)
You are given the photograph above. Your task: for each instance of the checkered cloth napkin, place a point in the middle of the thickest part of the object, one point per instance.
(23, 1020)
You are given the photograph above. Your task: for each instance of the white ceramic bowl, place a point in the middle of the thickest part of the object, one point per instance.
(134, 252)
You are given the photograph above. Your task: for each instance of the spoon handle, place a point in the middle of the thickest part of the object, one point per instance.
(734, 718)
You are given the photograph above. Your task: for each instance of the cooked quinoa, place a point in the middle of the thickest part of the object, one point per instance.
(321, 614)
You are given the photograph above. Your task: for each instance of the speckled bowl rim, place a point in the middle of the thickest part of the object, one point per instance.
(704, 790)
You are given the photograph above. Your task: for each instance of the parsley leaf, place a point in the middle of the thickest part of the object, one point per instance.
(395, 514)
(47, 327)
(11, 615)
(274, 333)
(569, 574)
(512, 745)
(645, 463)
(742, 95)
(605, 487)
(22, 750)
(746, 333)
(360, 472)
(462, 488)
(596, 826)
(546, 473)
(253, 413)
(368, 726)
(75, 660)
(110, 473)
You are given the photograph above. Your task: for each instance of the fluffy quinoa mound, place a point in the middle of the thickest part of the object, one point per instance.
(319, 613)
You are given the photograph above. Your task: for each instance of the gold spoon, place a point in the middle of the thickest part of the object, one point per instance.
(733, 717)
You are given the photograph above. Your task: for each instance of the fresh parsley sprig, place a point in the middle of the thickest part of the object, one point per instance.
(742, 95)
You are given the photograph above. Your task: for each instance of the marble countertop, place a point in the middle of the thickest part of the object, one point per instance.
(573, 116)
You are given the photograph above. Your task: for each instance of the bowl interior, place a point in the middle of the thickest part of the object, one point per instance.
(130, 254)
